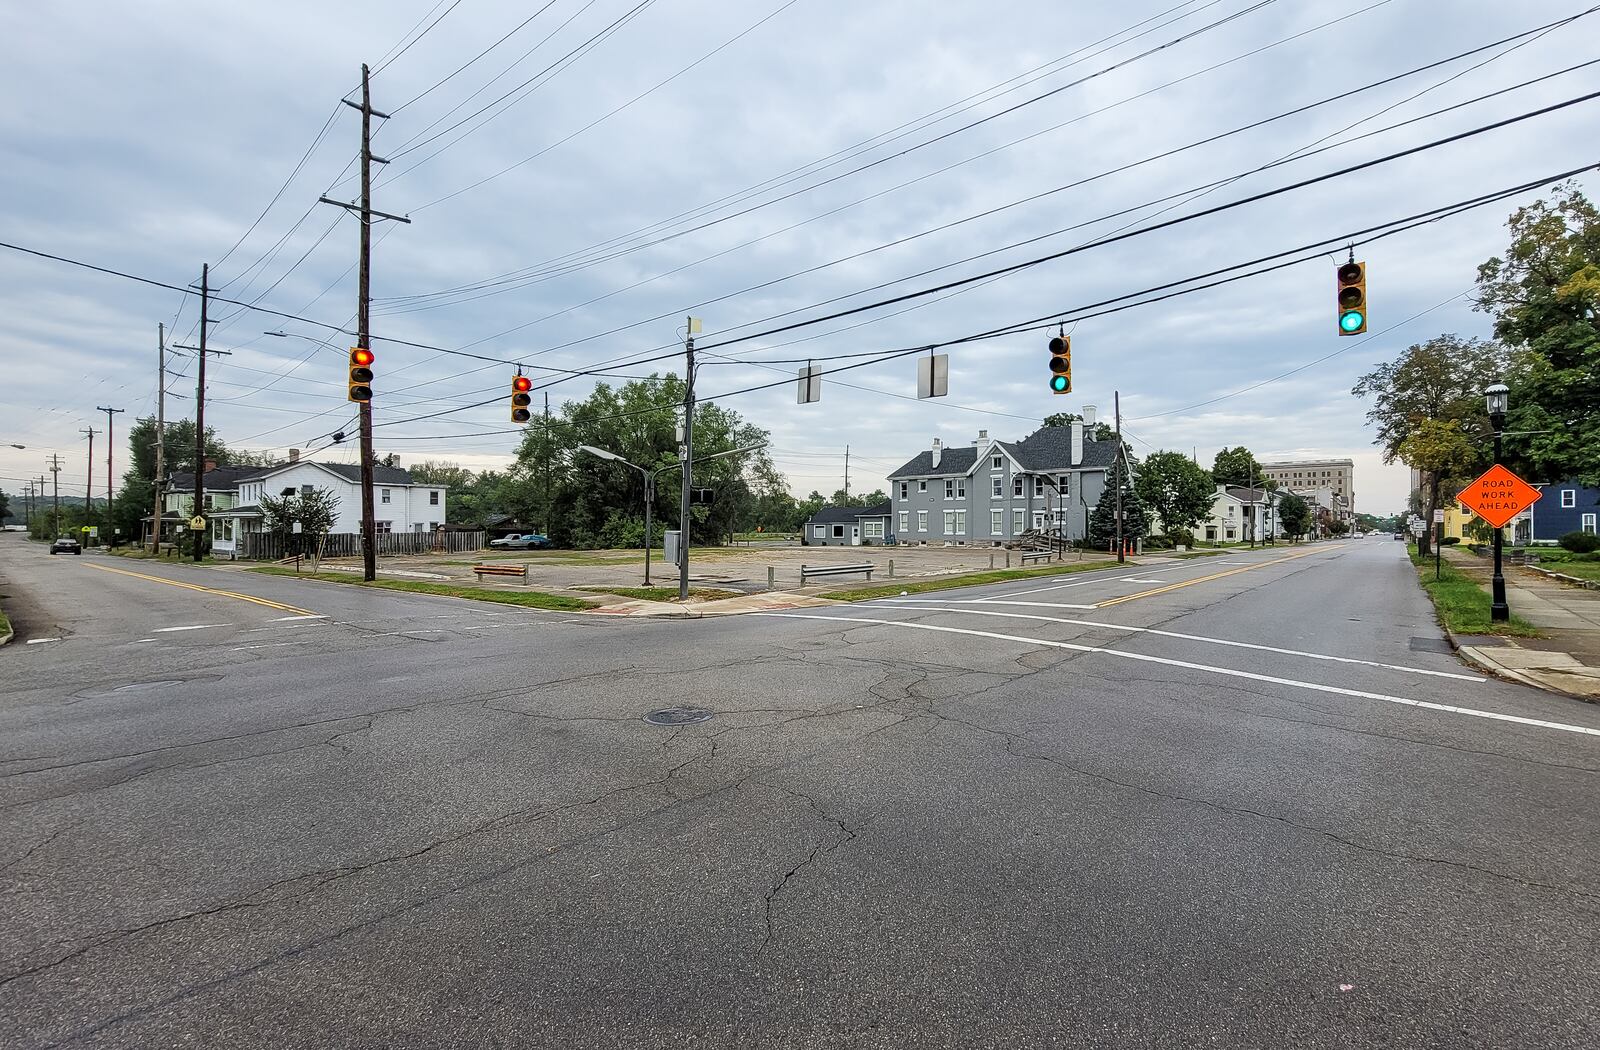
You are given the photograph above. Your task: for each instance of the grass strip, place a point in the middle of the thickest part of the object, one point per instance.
(1460, 604)
(528, 599)
(663, 594)
(891, 590)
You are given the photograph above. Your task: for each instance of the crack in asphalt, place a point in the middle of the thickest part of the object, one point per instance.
(845, 834)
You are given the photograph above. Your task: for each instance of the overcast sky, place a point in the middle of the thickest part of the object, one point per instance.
(149, 137)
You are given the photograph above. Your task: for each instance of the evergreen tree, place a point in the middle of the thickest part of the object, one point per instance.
(1103, 520)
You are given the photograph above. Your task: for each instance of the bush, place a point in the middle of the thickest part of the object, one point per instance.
(1581, 542)
(1450, 541)
(1183, 536)
(1158, 543)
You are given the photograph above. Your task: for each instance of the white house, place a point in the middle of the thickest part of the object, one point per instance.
(1240, 514)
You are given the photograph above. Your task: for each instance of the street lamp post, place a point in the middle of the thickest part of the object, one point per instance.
(1498, 396)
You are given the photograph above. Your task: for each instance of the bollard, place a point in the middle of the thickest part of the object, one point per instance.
(1008, 559)
(891, 568)
(772, 578)
(991, 559)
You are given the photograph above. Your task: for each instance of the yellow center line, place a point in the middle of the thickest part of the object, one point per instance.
(205, 590)
(1215, 576)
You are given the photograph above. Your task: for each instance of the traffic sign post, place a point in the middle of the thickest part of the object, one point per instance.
(1497, 496)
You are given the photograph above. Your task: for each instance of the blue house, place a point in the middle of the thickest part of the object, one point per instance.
(1566, 506)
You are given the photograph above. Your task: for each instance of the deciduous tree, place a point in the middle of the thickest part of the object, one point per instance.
(1178, 490)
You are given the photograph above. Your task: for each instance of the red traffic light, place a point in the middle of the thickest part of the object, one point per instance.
(362, 357)
(521, 383)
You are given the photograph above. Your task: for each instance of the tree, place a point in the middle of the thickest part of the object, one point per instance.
(5, 505)
(1103, 520)
(1441, 380)
(1294, 514)
(1238, 466)
(1098, 432)
(1544, 295)
(859, 499)
(451, 475)
(315, 511)
(1176, 489)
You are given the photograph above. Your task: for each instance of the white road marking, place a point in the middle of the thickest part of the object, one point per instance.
(1229, 672)
(310, 616)
(1060, 586)
(983, 601)
(191, 627)
(36, 641)
(1214, 641)
(1131, 579)
(264, 645)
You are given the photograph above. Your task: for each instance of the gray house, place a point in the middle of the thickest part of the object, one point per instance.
(846, 526)
(991, 492)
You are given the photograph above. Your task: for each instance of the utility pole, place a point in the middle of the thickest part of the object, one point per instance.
(546, 522)
(110, 444)
(55, 479)
(27, 506)
(200, 407)
(847, 475)
(369, 527)
(687, 455)
(1119, 461)
(161, 434)
(88, 485)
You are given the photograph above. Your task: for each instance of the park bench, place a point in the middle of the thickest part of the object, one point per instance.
(502, 570)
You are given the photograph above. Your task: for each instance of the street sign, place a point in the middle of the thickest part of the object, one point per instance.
(295, 527)
(808, 385)
(1498, 496)
(1417, 526)
(933, 375)
(197, 522)
(94, 532)
(1438, 516)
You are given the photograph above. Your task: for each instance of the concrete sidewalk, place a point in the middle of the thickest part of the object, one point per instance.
(1567, 659)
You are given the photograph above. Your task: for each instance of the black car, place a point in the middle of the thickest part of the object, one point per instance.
(66, 545)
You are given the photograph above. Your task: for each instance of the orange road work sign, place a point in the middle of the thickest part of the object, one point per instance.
(1498, 496)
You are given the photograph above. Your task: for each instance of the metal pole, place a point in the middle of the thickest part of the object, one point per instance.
(110, 444)
(88, 486)
(161, 428)
(649, 498)
(688, 464)
(200, 406)
(369, 527)
(1499, 610)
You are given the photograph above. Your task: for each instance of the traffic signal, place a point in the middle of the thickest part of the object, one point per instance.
(521, 399)
(1352, 298)
(1061, 364)
(361, 374)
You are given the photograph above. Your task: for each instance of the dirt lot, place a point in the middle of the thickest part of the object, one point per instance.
(732, 568)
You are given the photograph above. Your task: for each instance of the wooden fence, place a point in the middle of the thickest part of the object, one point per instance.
(267, 546)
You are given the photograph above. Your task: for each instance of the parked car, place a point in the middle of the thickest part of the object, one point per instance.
(66, 545)
(1399, 535)
(521, 541)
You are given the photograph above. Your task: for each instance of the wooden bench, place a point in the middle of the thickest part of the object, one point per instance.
(1028, 556)
(502, 570)
(807, 571)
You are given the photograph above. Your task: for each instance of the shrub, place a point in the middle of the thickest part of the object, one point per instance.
(1158, 543)
(1450, 541)
(1581, 542)
(1183, 536)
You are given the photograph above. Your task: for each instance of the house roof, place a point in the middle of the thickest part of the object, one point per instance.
(879, 510)
(217, 479)
(351, 472)
(954, 461)
(1245, 494)
(840, 515)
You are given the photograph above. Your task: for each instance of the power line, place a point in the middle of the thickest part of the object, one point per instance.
(385, 63)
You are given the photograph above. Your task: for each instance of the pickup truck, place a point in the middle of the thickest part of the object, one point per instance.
(521, 541)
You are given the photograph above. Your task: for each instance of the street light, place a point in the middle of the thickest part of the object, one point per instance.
(19, 446)
(650, 490)
(1498, 396)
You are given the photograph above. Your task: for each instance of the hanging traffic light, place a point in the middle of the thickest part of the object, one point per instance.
(1061, 364)
(1352, 298)
(521, 399)
(361, 374)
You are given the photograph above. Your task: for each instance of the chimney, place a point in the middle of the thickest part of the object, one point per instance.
(938, 451)
(977, 442)
(1088, 415)
(294, 455)
(1077, 443)
(211, 465)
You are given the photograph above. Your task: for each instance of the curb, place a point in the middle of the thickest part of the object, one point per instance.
(1506, 674)
(1592, 585)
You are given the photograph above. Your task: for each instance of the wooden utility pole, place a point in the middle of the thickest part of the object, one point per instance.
(369, 527)
(110, 444)
(546, 523)
(693, 326)
(1119, 461)
(161, 434)
(200, 407)
(55, 483)
(88, 484)
(847, 475)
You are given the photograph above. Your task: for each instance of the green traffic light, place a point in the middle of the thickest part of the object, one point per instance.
(1352, 320)
(1059, 383)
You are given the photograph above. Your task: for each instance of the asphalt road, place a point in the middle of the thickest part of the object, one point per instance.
(1247, 801)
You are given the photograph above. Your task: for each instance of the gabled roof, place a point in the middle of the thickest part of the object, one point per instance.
(878, 510)
(1245, 494)
(351, 472)
(842, 515)
(217, 479)
(1049, 449)
(953, 462)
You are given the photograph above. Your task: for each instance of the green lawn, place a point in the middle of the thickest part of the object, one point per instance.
(1460, 604)
(5, 625)
(140, 552)
(531, 599)
(890, 590)
(1583, 570)
(663, 594)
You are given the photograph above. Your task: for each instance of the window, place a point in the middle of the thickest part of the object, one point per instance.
(433, 498)
(999, 488)
(922, 486)
(838, 532)
(949, 523)
(1588, 523)
(1230, 510)
(961, 523)
(922, 521)
(1016, 485)
(997, 463)
(433, 526)
(385, 498)
(384, 527)
(997, 522)
(306, 490)
(872, 530)
(949, 489)
(905, 521)
(210, 501)
(1066, 485)
(905, 489)
(1038, 519)
(1038, 485)
(1569, 498)
(819, 531)
(961, 488)
(1229, 534)
(416, 527)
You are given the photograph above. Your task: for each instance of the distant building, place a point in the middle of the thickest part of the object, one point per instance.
(1307, 477)
(846, 526)
(1566, 506)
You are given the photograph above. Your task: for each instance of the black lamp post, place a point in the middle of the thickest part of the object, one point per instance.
(1497, 395)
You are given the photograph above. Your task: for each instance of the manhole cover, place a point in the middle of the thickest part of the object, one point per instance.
(677, 716)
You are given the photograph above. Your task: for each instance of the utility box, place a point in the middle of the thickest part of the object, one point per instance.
(669, 546)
